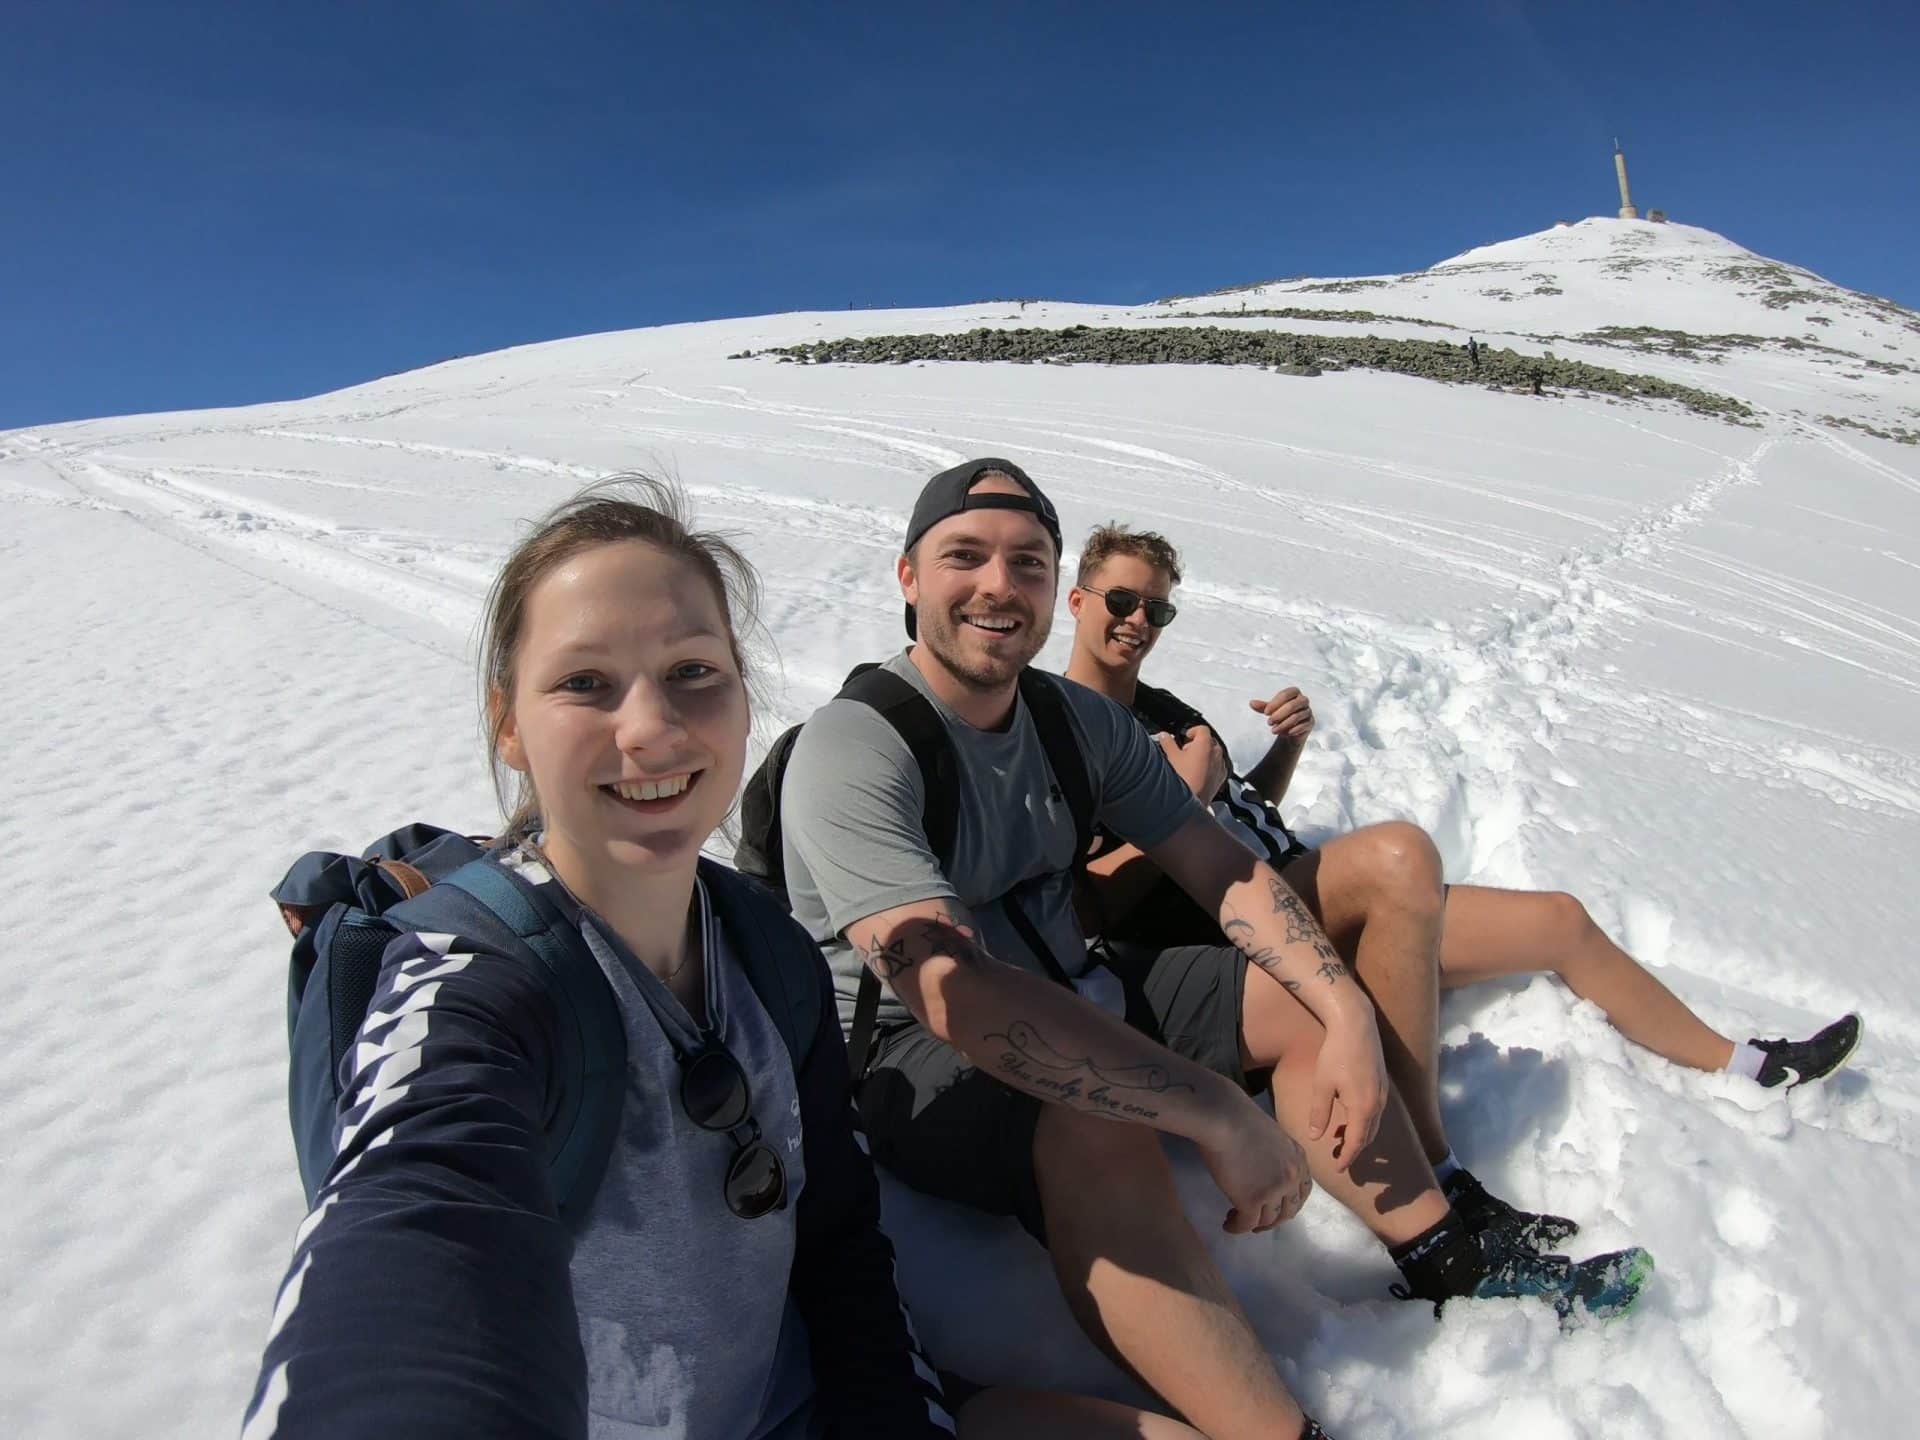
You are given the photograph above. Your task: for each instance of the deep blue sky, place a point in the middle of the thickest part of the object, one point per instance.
(218, 204)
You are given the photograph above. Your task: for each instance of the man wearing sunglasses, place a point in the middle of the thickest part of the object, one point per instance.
(1378, 891)
(1375, 891)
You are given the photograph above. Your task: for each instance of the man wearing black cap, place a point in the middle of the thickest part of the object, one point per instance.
(994, 1086)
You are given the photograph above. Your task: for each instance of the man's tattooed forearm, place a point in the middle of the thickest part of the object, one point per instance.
(1301, 926)
(1028, 1061)
(1332, 971)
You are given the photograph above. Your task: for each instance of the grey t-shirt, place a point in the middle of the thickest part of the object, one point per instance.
(685, 1316)
(851, 807)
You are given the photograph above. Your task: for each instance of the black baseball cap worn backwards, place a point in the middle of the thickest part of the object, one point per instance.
(950, 493)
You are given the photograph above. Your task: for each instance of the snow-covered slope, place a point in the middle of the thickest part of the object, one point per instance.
(1670, 663)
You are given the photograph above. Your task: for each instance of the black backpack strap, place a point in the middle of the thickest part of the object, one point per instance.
(866, 1010)
(1047, 703)
(912, 715)
(1030, 935)
(758, 852)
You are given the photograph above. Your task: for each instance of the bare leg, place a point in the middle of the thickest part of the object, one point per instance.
(1378, 894)
(1142, 1285)
(1390, 1185)
(1006, 1413)
(1510, 932)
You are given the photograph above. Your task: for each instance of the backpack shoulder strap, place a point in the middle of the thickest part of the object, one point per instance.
(780, 959)
(1047, 701)
(592, 1059)
(758, 852)
(912, 715)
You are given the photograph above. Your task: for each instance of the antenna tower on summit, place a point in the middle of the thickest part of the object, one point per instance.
(1627, 212)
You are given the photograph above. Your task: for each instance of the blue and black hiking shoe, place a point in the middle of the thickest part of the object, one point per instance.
(1601, 1287)
(1482, 1210)
(1794, 1062)
(1491, 1265)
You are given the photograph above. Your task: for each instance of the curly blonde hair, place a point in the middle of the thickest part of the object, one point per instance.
(1113, 539)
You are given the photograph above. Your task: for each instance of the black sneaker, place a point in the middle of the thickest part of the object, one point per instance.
(1482, 1210)
(1489, 1266)
(1794, 1062)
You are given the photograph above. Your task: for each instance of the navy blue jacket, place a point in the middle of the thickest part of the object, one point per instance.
(429, 1292)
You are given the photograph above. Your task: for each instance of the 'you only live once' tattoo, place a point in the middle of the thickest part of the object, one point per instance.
(1029, 1061)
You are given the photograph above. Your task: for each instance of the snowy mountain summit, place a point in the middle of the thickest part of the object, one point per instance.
(1650, 636)
(1756, 327)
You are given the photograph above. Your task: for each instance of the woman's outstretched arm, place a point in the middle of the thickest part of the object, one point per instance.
(429, 1294)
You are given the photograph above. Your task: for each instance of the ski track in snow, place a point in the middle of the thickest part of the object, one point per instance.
(1467, 632)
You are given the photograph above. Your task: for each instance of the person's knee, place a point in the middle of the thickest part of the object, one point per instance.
(1091, 1153)
(1567, 929)
(1404, 863)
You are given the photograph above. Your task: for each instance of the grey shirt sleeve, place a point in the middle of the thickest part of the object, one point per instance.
(851, 816)
(1141, 797)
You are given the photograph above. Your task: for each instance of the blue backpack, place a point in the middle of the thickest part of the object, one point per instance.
(343, 912)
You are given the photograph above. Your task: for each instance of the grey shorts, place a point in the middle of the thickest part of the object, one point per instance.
(945, 1127)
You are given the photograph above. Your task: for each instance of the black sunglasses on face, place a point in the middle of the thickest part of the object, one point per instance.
(715, 1095)
(1122, 602)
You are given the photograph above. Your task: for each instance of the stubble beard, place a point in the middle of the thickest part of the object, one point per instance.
(946, 641)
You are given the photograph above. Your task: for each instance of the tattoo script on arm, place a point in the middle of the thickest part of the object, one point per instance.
(1121, 1092)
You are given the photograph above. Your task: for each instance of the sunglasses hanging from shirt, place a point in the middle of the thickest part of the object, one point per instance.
(715, 1094)
(1122, 602)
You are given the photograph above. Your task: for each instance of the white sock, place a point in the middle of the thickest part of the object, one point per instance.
(1446, 1165)
(1747, 1060)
